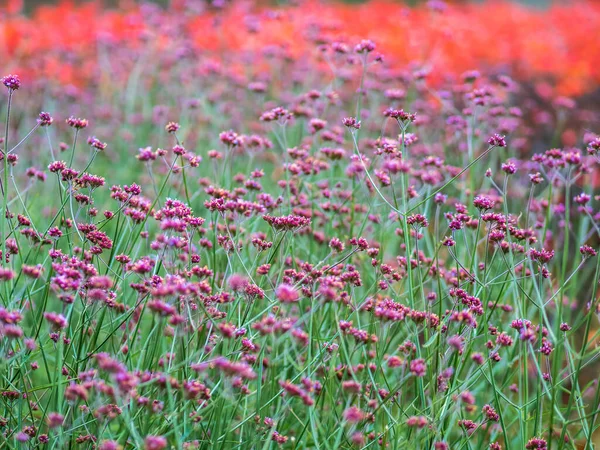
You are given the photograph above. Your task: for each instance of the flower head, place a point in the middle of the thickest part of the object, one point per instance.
(351, 122)
(497, 141)
(45, 119)
(77, 123)
(12, 82)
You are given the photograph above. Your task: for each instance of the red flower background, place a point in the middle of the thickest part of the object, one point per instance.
(555, 44)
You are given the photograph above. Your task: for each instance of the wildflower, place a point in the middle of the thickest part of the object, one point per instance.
(178, 150)
(263, 269)
(317, 125)
(55, 232)
(593, 147)
(509, 167)
(456, 342)
(276, 114)
(239, 369)
(336, 245)
(483, 203)
(109, 445)
(155, 443)
(400, 115)
(491, 413)
(77, 123)
(54, 420)
(417, 221)
(536, 178)
(360, 242)
(477, 358)
(237, 282)
(12, 331)
(572, 157)
(504, 340)
(253, 291)
(542, 256)
(162, 308)
(536, 443)
(418, 367)
(440, 198)
(57, 321)
(497, 141)
(109, 364)
(12, 82)
(286, 293)
(448, 242)
(582, 199)
(416, 421)
(6, 274)
(353, 414)
(365, 46)
(279, 438)
(172, 127)
(21, 436)
(468, 425)
(587, 251)
(76, 392)
(565, 327)
(351, 122)
(57, 166)
(546, 376)
(96, 143)
(45, 119)
(546, 347)
(287, 223)
(358, 439)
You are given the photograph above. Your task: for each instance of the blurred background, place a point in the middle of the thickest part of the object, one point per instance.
(546, 43)
(30, 5)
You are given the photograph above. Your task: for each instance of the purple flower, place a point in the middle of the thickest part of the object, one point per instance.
(45, 119)
(587, 251)
(12, 82)
(418, 367)
(365, 46)
(497, 141)
(351, 122)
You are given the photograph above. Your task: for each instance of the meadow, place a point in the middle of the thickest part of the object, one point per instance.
(315, 225)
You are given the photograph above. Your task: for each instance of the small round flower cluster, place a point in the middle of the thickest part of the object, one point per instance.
(351, 122)
(12, 82)
(77, 123)
(286, 223)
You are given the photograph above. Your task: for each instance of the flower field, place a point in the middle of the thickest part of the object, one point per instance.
(314, 225)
